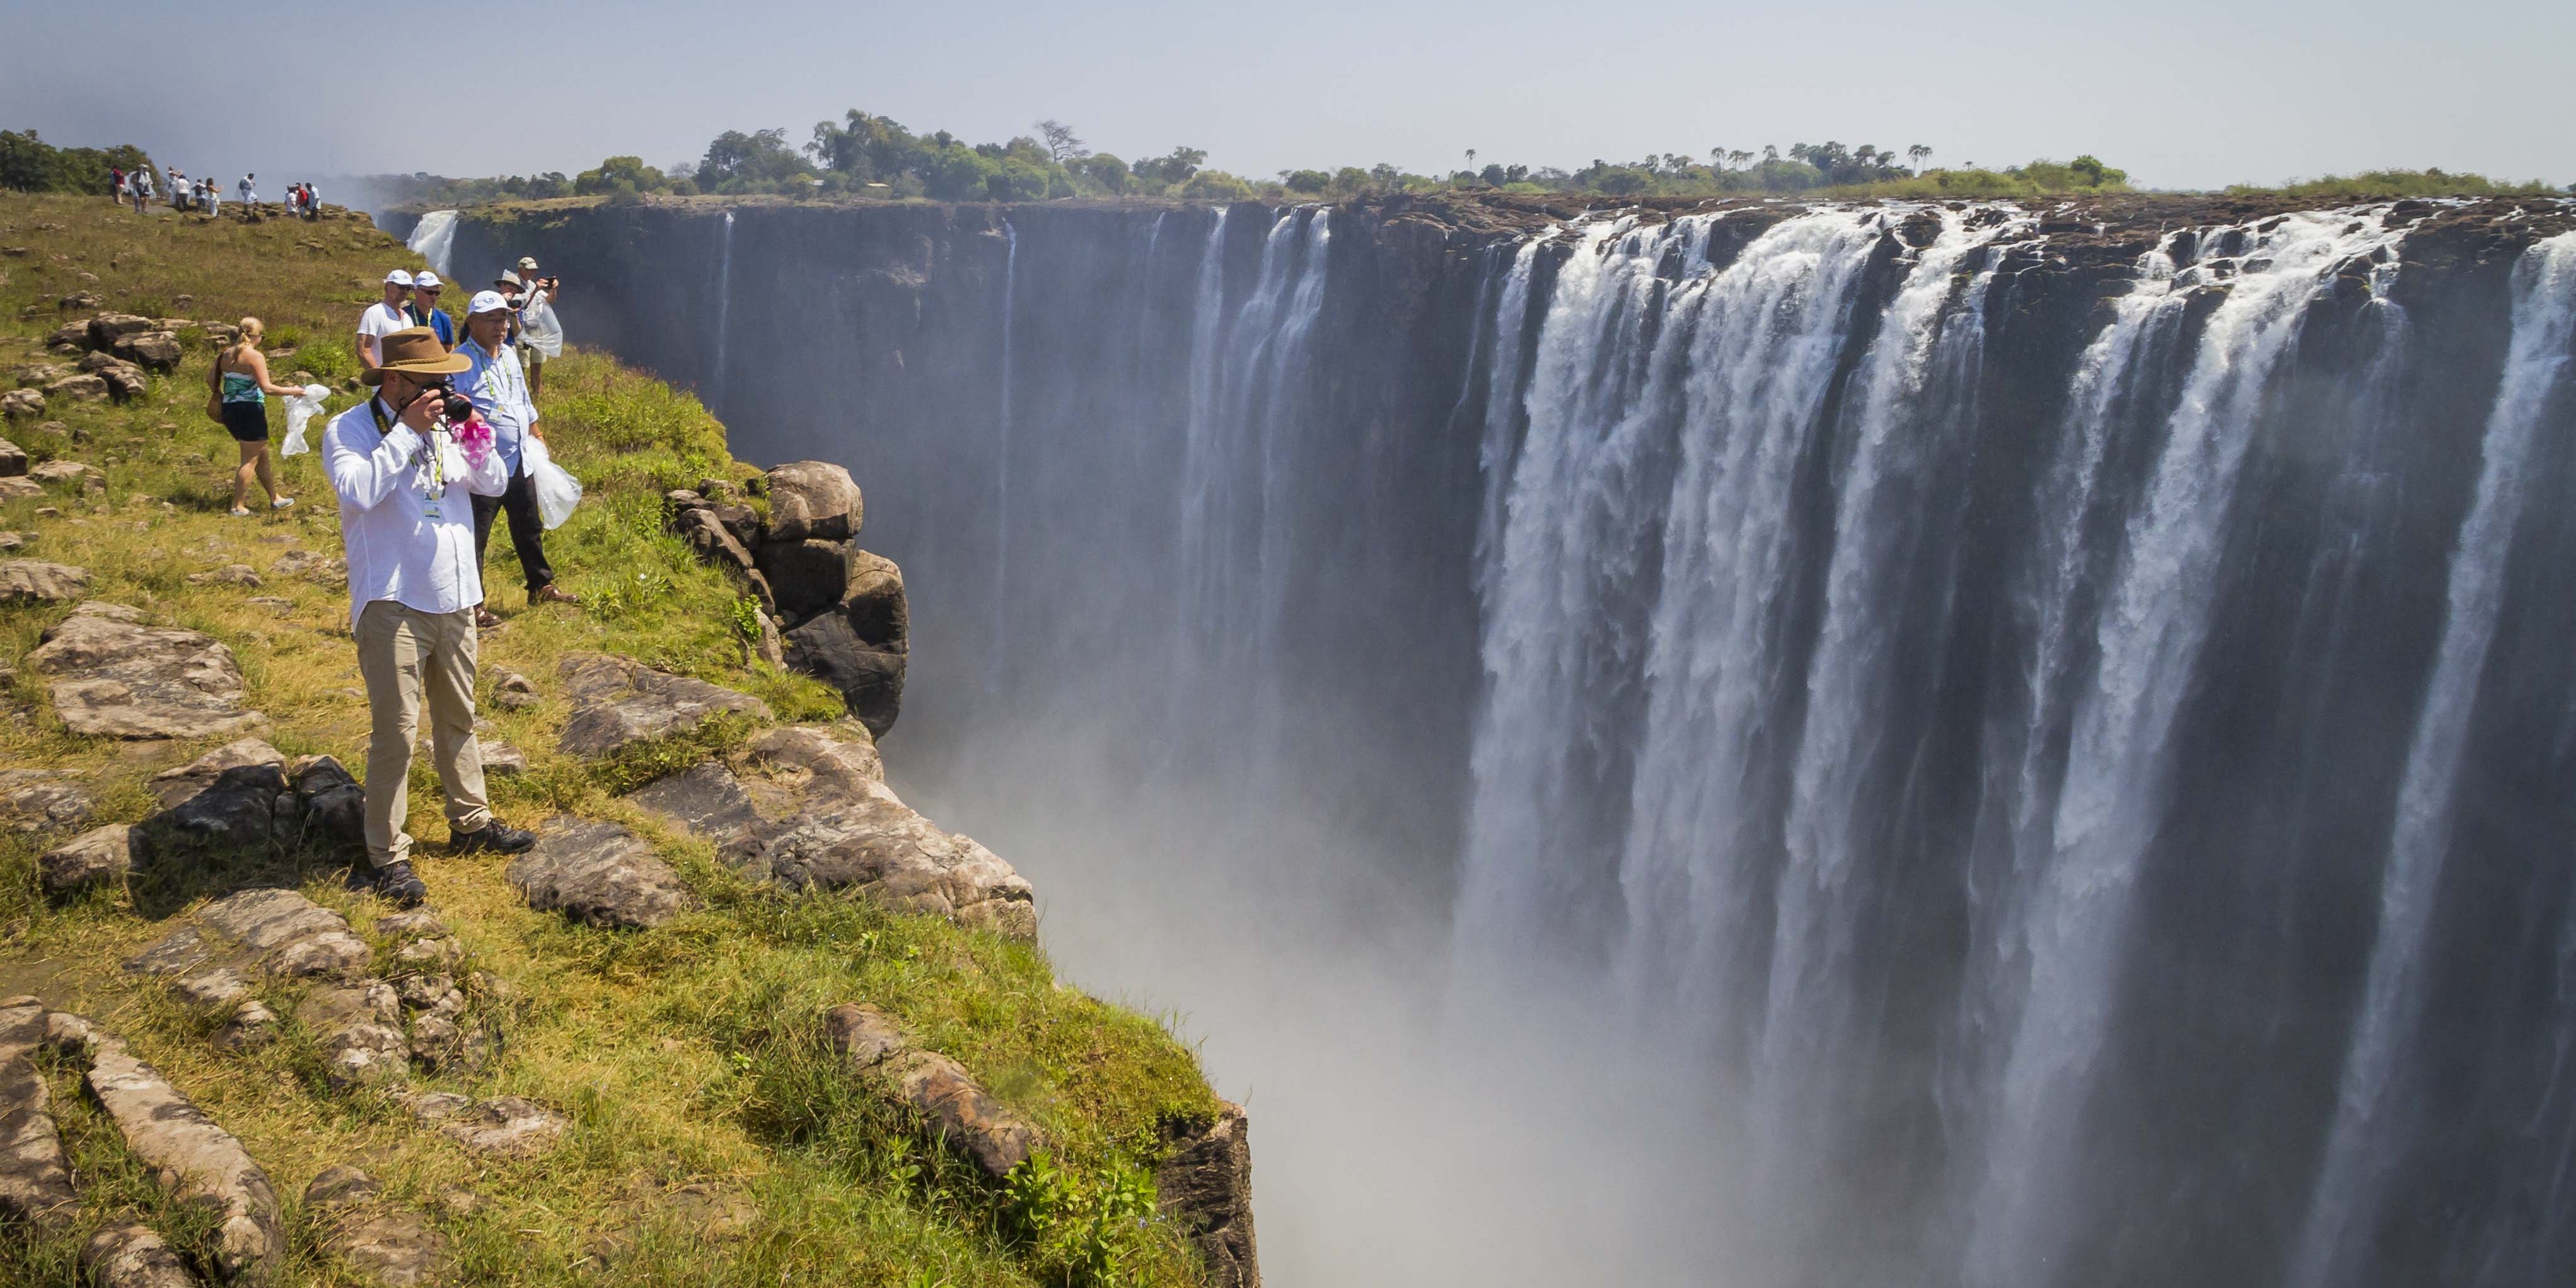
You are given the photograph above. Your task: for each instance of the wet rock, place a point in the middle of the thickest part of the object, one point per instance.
(1205, 1188)
(33, 581)
(276, 933)
(114, 677)
(173, 786)
(870, 679)
(42, 800)
(99, 856)
(599, 874)
(235, 814)
(617, 703)
(813, 500)
(228, 575)
(132, 1256)
(196, 1160)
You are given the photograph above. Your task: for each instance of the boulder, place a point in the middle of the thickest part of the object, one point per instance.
(870, 678)
(14, 540)
(36, 375)
(1204, 1186)
(132, 1256)
(78, 389)
(501, 760)
(599, 874)
(874, 602)
(175, 785)
(151, 350)
(805, 576)
(99, 856)
(813, 500)
(114, 677)
(743, 524)
(330, 803)
(13, 458)
(274, 933)
(862, 1034)
(17, 488)
(27, 404)
(618, 703)
(717, 546)
(108, 328)
(125, 382)
(196, 1161)
(235, 814)
(35, 1177)
(42, 800)
(33, 581)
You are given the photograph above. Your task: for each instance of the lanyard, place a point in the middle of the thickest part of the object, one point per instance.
(434, 485)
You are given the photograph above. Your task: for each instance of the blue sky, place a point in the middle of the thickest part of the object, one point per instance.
(2185, 94)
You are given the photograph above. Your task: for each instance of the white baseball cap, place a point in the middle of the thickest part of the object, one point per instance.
(487, 302)
(426, 278)
(398, 277)
(527, 264)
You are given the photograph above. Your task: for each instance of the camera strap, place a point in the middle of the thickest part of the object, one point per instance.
(433, 472)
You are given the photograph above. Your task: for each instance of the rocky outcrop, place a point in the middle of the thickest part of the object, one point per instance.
(114, 677)
(99, 856)
(870, 678)
(278, 933)
(132, 1256)
(195, 1160)
(948, 1099)
(813, 501)
(618, 703)
(13, 458)
(1205, 1187)
(599, 874)
(359, 1028)
(33, 581)
(816, 813)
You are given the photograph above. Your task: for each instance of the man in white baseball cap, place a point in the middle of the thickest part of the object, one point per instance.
(425, 287)
(382, 319)
(499, 387)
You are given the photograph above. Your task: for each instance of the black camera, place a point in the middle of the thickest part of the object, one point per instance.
(453, 407)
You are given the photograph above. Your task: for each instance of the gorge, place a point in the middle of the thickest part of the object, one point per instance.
(1762, 743)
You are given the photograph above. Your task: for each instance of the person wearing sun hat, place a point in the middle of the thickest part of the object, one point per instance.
(424, 310)
(384, 317)
(499, 389)
(407, 486)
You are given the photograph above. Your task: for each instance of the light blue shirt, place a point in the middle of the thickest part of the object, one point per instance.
(499, 389)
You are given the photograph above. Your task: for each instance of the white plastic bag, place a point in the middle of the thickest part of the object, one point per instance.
(557, 491)
(301, 409)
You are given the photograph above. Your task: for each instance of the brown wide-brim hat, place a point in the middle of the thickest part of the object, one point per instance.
(415, 351)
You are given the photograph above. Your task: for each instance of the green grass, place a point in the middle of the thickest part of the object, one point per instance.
(690, 1057)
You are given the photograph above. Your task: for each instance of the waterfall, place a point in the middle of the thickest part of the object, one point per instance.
(433, 238)
(2366, 1141)
(1002, 460)
(724, 311)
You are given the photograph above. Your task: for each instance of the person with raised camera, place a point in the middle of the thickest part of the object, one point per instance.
(407, 468)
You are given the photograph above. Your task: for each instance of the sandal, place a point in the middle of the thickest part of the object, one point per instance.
(552, 594)
(484, 619)
(240, 513)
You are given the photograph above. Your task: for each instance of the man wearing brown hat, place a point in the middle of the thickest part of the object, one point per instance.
(406, 491)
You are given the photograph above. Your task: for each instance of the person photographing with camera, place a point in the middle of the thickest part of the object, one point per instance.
(407, 465)
(540, 335)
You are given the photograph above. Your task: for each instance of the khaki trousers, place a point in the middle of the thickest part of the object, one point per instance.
(407, 655)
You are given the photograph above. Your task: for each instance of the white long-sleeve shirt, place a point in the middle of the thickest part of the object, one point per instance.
(386, 482)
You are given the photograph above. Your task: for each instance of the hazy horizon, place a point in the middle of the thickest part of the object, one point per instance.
(2210, 95)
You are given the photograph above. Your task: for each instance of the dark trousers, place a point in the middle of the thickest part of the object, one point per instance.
(527, 530)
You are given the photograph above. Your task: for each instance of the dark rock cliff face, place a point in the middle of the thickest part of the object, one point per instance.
(1967, 671)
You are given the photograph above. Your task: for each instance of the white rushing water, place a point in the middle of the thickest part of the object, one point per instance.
(434, 237)
(2362, 1149)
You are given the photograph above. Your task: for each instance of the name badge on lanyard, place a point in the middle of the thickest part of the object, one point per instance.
(434, 486)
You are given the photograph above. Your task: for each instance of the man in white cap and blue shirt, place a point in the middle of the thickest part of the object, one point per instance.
(407, 490)
(384, 317)
(499, 387)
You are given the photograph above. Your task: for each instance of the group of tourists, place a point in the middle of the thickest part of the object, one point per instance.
(137, 188)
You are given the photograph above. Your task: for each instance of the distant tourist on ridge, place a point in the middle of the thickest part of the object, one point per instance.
(250, 196)
(407, 487)
(142, 181)
(211, 197)
(383, 318)
(499, 387)
(241, 385)
(424, 309)
(116, 185)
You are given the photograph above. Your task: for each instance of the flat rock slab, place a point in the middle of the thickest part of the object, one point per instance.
(278, 933)
(599, 874)
(33, 581)
(132, 1256)
(822, 816)
(114, 677)
(618, 702)
(99, 856)
(175, 785)
(510, 1126)
(42, 800)
(196, 1161)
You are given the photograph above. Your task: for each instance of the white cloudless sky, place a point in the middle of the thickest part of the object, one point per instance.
(2186, 94)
